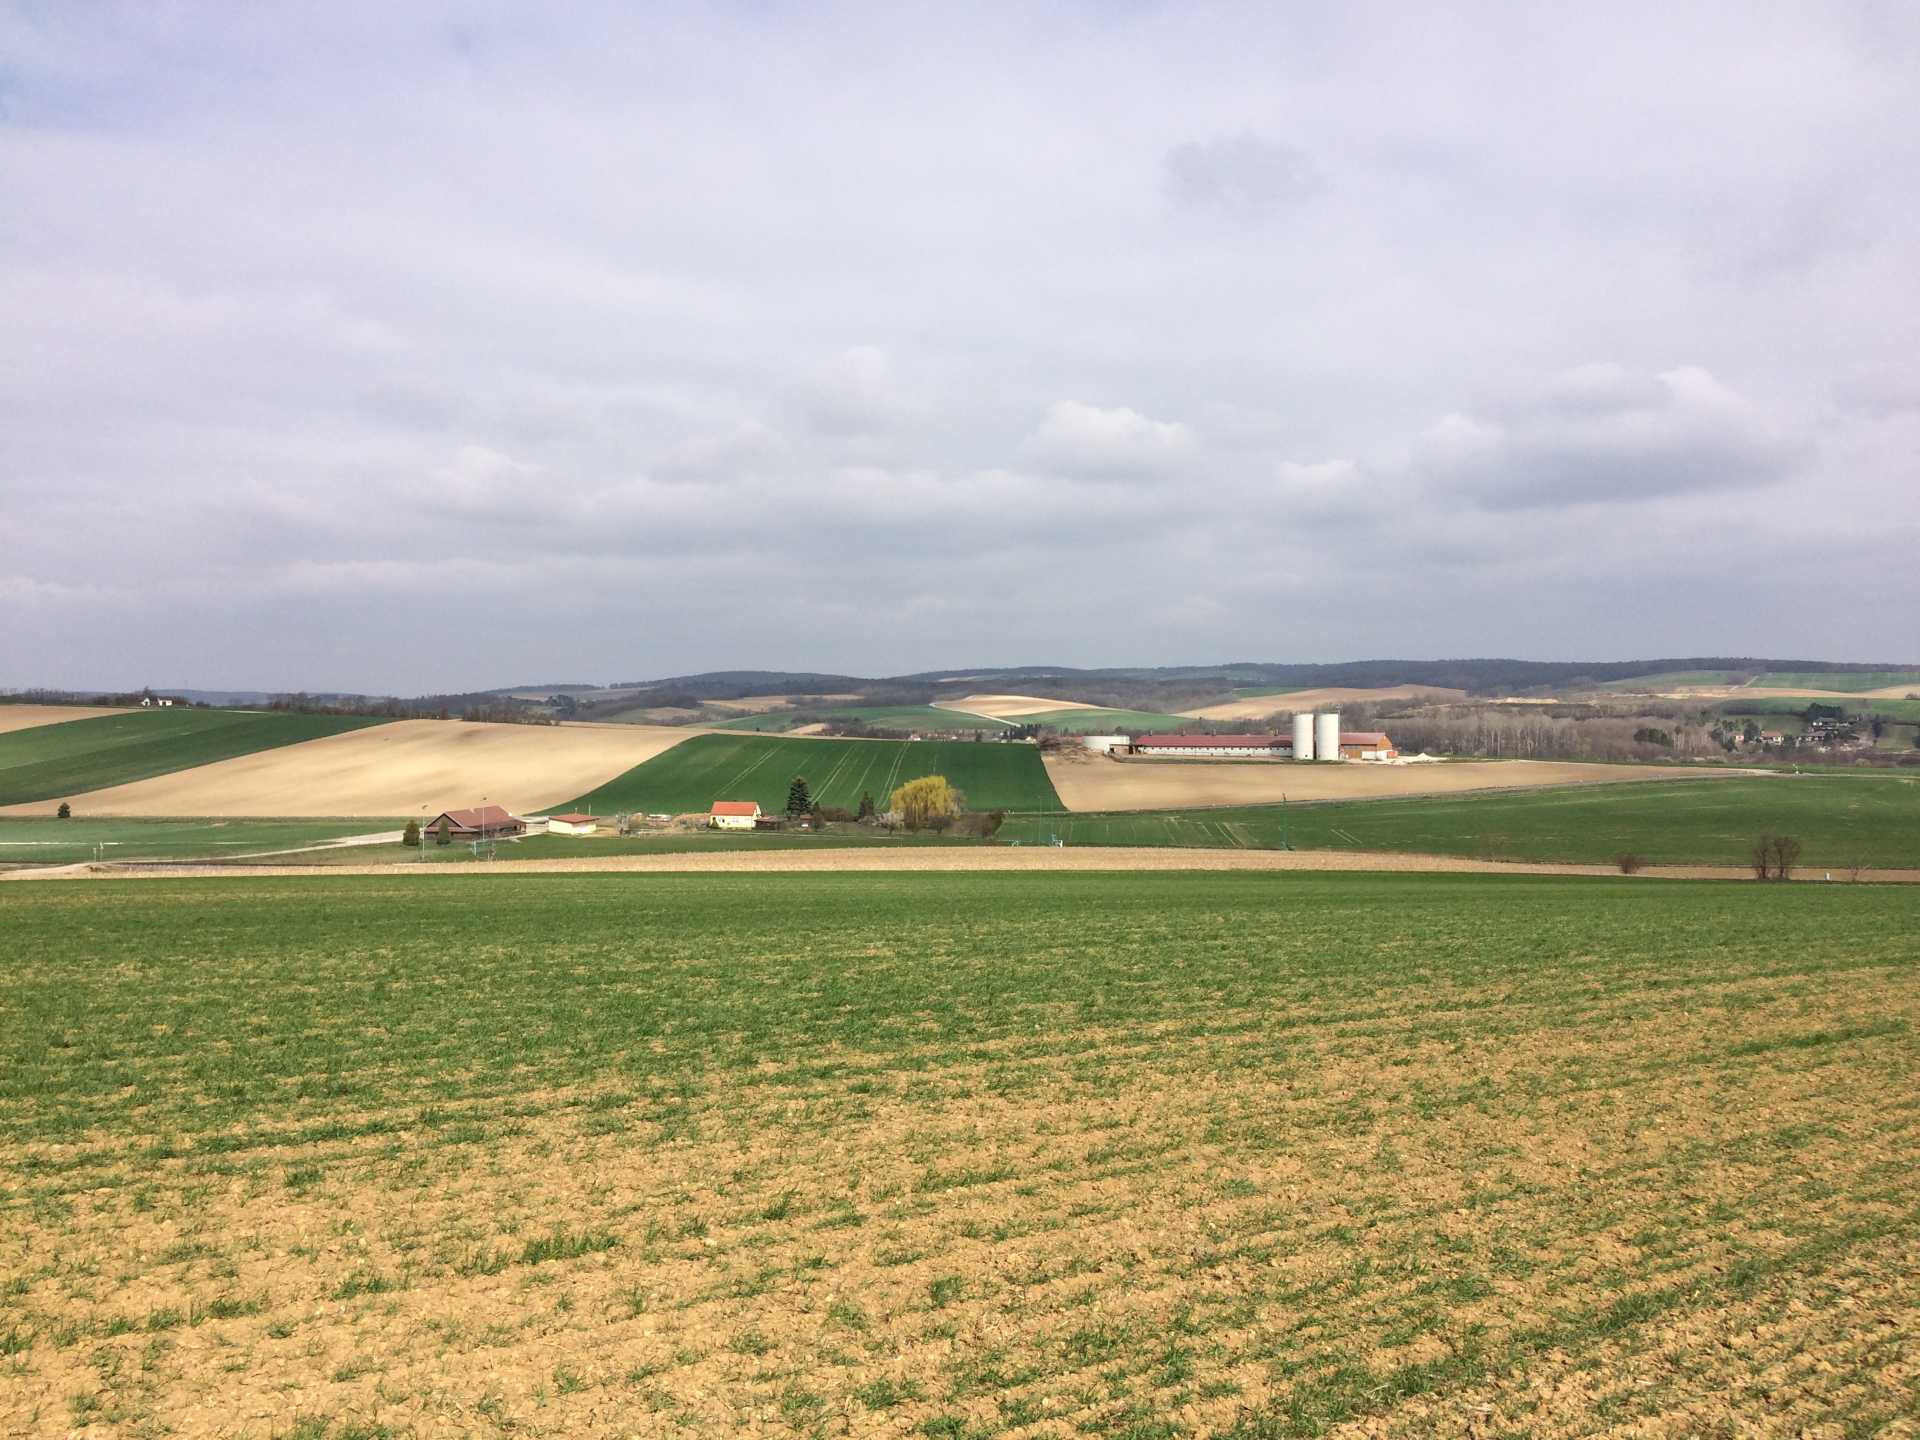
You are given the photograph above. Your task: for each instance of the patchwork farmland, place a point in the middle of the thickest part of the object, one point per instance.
(691, 776)
(75, 756)
(1169, 1155)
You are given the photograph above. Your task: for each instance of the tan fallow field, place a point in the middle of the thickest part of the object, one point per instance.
(406, 767)
(1008, 707)
(1257, 706)
(760, 704)
(32, 717)
(1097, 783)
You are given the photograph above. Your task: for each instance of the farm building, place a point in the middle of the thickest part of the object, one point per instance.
(1354, 745)
(734, 814)
(486, 822)
(1238, 747)
(572, 824)
(1105, 744)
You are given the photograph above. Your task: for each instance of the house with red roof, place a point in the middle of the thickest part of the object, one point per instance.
(734, 814)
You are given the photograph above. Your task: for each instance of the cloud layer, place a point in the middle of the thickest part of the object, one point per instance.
(423, 349)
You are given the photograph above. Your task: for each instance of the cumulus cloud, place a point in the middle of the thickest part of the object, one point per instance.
(1241, 174)
(1601, 433)
(1224, 304)
(1088, 440)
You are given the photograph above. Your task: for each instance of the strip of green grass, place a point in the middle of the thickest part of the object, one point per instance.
(1842, 820)
(75, 756)
(38, 841)
(697, 772)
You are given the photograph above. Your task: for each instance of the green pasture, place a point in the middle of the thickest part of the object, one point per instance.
(1842, 820)
(890, 717)
(1838, 679)
(1108, 722)
(1148, 1156)
(72, 757)
(46, 841)
(1670, 680)
(706, 768)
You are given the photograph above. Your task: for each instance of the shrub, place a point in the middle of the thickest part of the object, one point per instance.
(1761, 856)
(411, 835)
(1628, 862)
(65, 812)
(1786, 854)
(443, 834)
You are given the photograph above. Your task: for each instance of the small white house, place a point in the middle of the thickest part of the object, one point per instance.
(572, 825)
(734, 814)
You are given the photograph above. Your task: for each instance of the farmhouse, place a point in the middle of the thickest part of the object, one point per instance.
(484, 823)
(734, 814)
(572, 824)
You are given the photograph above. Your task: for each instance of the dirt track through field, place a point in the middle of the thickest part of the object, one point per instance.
(1038, 859)
(32, 717)
(407, 767)
(1257, 706)
(1102, 784)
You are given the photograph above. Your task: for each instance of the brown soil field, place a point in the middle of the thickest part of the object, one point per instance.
(32, 717)
(1099, 783)
(1009, 707)
(407, 767)
(1296, 700)
(940, 859)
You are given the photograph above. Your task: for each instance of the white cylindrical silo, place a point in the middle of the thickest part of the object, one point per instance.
(1303, 737)
(1326, 736)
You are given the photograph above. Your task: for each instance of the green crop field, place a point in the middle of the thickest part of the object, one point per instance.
(1838, 679)
(697, 772)
(43, 841)
(76, 756)
(1109, 722)
(1671, 679)
(1906, 711)
(890, 717)
(1842, 820)
(1143, 1155)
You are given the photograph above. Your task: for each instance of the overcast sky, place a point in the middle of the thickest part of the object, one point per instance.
(415, 347)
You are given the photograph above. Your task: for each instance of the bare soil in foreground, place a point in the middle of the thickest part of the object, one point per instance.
(32, 717)
(1100, 783)
(1325, 699)
(407, 767)
(879, 860)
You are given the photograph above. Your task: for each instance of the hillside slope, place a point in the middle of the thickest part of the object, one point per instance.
(67, 759)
